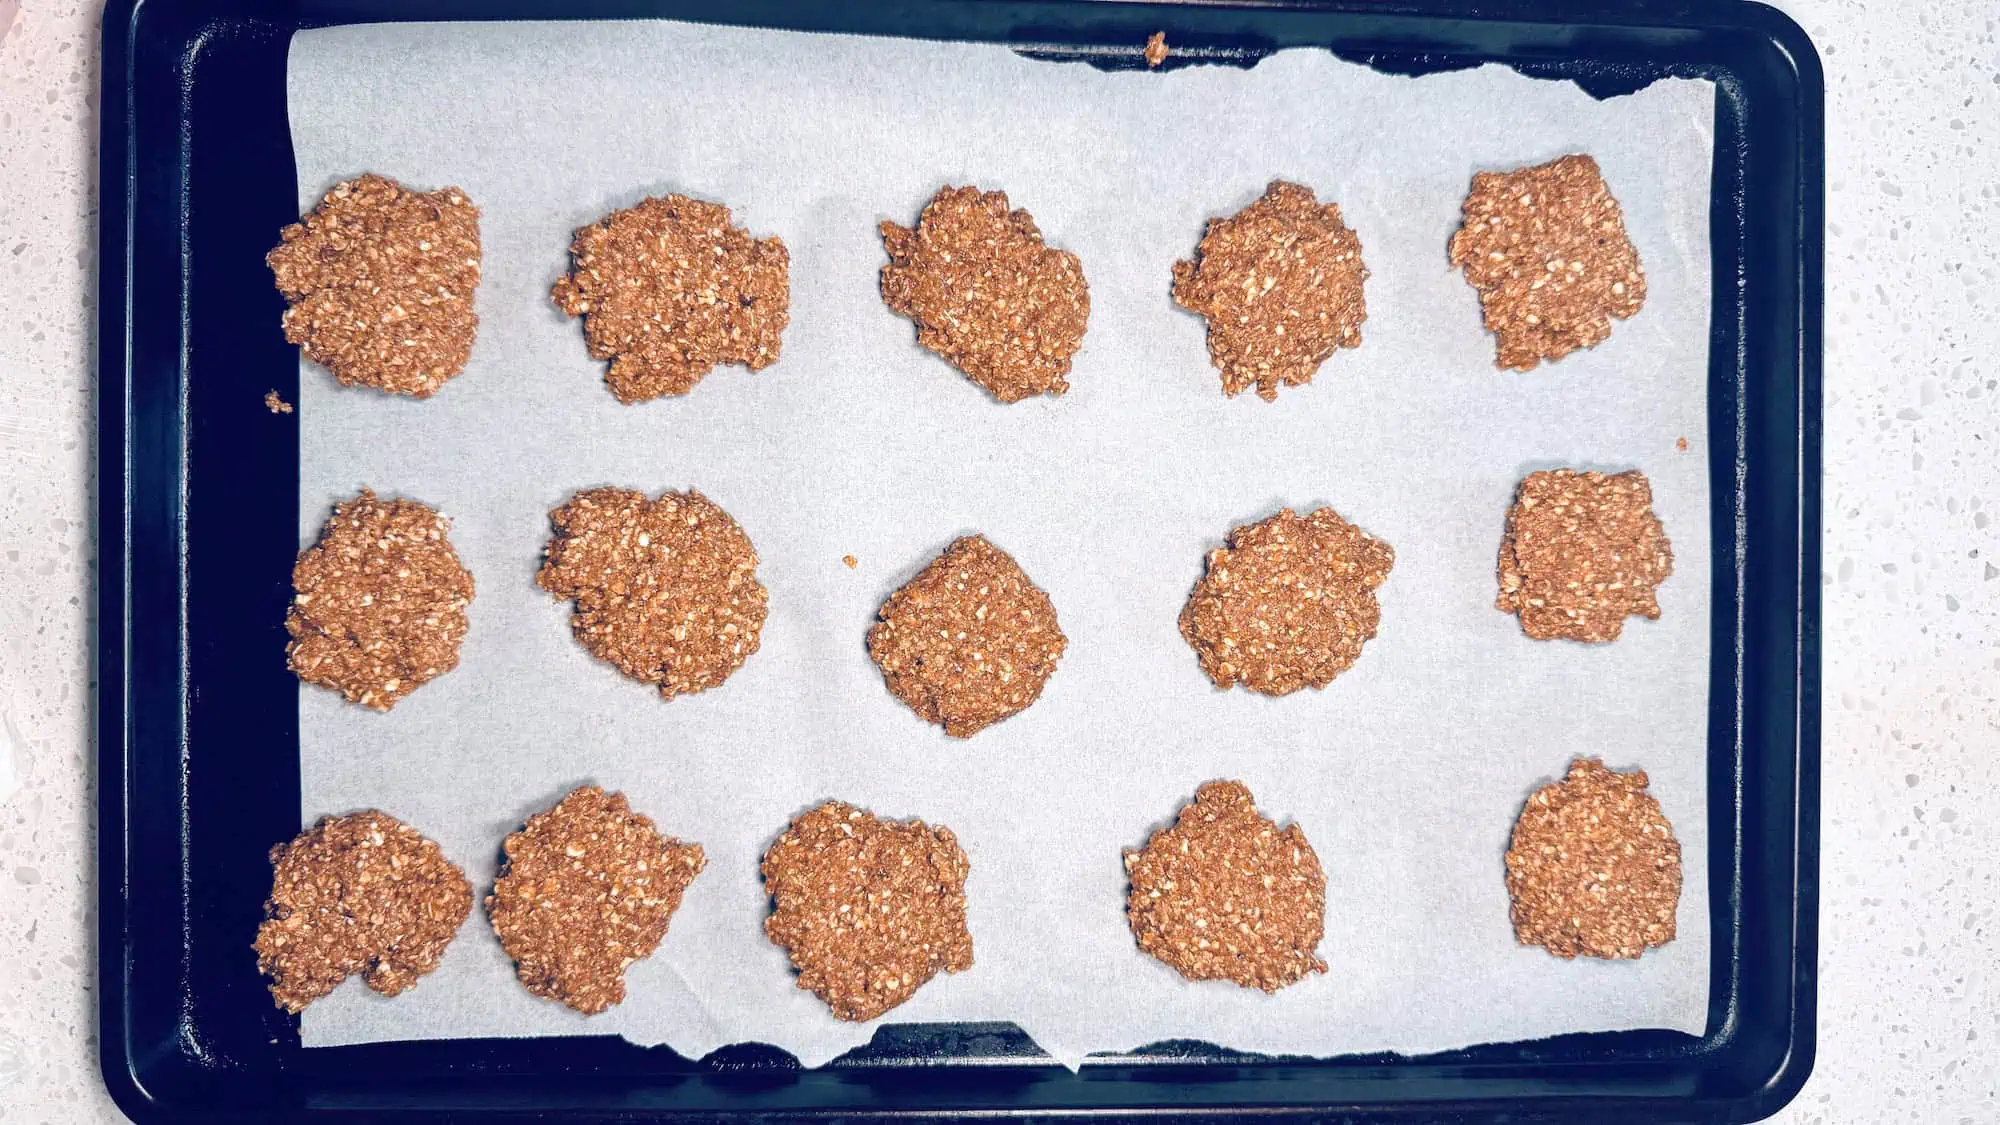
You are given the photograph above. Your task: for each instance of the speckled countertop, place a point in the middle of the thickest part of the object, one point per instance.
(1910, 941)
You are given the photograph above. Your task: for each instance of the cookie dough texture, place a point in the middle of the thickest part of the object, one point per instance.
(869, 909)
(1582, 552)
(671, 288)
(1547, 250)
(1593, 868)
(1280, 284)
(380, 602)
(587, 888)
(1288, 603)
(968, 642)
(1225, 894)
(362, 893)
(987, 294)
(380, 281)
(666, 590)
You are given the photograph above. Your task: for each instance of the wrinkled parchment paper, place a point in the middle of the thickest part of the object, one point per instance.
(1406, 773)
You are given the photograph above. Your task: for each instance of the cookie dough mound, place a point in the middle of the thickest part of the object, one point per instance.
(666, 590)
(1593, 868)
(969, 641)
(1226, 895)
(380, 282)
(987, 294)
(363, 893)
(1279, 283)
(587, 888)
(1288, 603)
(869, 909)
(380, 602)
(669, 289)
(1582, 552)
(1546, 248)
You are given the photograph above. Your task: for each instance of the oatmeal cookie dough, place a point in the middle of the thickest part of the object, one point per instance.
(380, 601)
(987, 294)
(1288, 603)
(968, 642)
(1280, 284)
(362, 893)
(380, 281)
(1593, 868)
(671, 288)
(586, 889)
(1546, 248)
(1226, 895)
(1582, 552)
(666, 590)
(869, 909)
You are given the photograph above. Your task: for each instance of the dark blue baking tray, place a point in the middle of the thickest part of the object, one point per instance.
(197, 739)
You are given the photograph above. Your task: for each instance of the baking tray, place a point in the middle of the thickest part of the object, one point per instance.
(197, 740)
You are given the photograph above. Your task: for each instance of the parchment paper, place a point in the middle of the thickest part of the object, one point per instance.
(1406, 773)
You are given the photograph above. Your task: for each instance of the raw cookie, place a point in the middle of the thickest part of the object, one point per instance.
(380, 282)
(587, 888)
(1593, 867)
(869, 909)
(1226, 895)
(1279, 283)
(987, 294)
(1288, 603)
(665, 589)
(669, 289)
(1582, 552)
(1546, 248)
(969, 641)
(380, 602)
(362, 893)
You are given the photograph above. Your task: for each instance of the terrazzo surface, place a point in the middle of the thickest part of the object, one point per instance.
(1909, 1000)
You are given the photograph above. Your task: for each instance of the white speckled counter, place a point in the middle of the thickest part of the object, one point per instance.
(1910, 961)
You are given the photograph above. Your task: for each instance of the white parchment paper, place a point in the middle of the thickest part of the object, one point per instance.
(1406, 773)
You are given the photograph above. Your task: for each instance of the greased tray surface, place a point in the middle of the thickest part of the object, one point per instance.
(199, 772)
